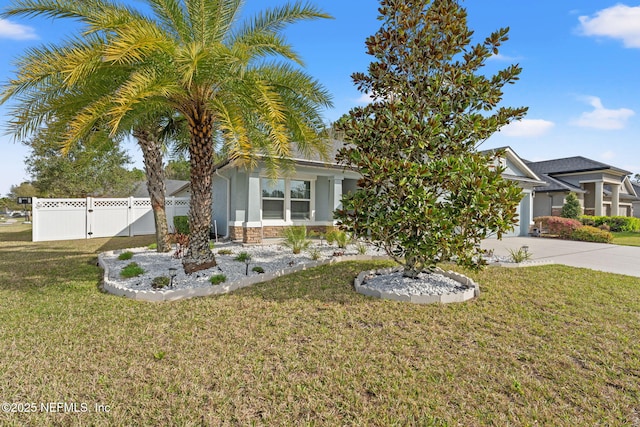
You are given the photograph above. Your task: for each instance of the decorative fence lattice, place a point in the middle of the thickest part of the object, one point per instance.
(66, 219)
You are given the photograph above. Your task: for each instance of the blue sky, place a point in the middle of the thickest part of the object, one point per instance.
(580, 61)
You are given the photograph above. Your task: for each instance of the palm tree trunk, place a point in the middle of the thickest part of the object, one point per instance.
(152, 156)
(199, 255)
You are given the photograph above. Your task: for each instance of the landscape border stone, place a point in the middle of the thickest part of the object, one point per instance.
(472, 288)
(115, 288)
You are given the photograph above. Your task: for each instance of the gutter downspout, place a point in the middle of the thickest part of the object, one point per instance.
(226, 236)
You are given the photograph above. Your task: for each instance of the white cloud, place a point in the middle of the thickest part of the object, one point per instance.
(618, 22)
(11, 30)
(608, 155)
(527, 128)
(504, 58)
(603, 118)
(365, 98)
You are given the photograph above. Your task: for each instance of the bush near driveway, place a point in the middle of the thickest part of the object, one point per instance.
(558, 226)
(615, 223)
(592, 234)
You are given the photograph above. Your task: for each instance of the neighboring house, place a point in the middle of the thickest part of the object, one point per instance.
(250, 206)
(636, 203)
(603, 190)
(173, 187)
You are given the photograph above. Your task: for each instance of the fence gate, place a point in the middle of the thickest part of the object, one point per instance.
(67, 219)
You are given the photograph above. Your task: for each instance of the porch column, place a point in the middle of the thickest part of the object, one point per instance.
(252, 228)
(615, 199)
(336, 194)
(598, 197)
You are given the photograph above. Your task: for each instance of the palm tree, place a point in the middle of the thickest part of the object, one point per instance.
(232, 81)
(49, 101)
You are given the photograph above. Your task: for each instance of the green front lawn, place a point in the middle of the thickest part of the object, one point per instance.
(548, 345)
(627, 238)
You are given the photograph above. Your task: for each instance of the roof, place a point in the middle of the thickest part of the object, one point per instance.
(571, 164)
(548, 171)
(311, 158)
(172, 186)
(555, 184)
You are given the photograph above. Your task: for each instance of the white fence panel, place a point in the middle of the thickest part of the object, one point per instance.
(67, 219)
(59, 219)
(143, 221)
(108, 217)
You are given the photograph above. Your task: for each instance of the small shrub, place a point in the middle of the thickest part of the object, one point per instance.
(242, 257)
(160, 282)
(125, 256)
(362, 248)
(330, 236)
(520, 255)
(561, 227)
(258, 269)
(153, 246)
(342, 239)
(211, 244)
(131, 270)
(295, 238)
(571, 207)
(587, 233)
(181, 224)
(225, 252)
(315, 254)
(216, 279)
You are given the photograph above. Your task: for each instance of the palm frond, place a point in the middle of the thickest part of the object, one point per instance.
(173, 18)
(142, 86)
(276, 19)
(139, 40)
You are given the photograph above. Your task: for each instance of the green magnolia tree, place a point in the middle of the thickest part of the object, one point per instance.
(571, 207)
(231, 81)
(426, 193)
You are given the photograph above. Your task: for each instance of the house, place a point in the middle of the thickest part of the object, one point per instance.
(603, 190)
(635, 205)
(173, 188)
(249, 206)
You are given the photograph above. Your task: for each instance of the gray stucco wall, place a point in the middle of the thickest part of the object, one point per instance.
(220, 209)
(239, 185)
(323, 210)
(543, 202)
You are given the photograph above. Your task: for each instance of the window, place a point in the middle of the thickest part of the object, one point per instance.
(300, 200)
(288, 200)
(273, 198)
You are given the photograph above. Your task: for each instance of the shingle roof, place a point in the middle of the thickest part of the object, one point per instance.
(570, 164)
(555, 184)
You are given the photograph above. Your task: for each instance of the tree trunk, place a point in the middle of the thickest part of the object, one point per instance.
(199, 255)
(152, 155)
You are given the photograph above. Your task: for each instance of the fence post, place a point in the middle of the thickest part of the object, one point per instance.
(130, 216)
(34, 219)
(88, 218)
(172, 201)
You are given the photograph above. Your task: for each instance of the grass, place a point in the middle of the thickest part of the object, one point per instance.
(548, 345)
(626, 238)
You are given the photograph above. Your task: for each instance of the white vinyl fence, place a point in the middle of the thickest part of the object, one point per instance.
(66, 219)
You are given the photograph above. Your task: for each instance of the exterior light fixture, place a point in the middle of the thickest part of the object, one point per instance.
(247, 260)
(173, 272)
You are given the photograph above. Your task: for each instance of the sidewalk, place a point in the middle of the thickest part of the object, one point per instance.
(596, 256)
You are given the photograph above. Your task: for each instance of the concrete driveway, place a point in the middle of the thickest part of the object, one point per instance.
(596, 256)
